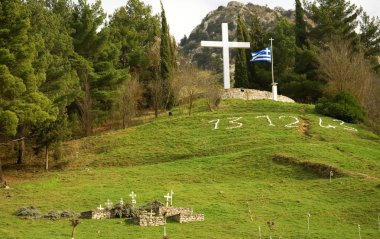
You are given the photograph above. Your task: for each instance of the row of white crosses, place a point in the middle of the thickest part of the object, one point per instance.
(108, 204)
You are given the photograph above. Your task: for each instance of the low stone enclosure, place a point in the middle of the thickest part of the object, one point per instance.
(250, 94)
(151, 214)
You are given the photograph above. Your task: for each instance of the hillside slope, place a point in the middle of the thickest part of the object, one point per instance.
(184, 137)
(233, 165)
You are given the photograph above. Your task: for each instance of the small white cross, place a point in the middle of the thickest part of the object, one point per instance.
(226, 45)
(121, 201)
(151, 213)
(167, 196)
(133, 197)
(171, 197)
(100, 207)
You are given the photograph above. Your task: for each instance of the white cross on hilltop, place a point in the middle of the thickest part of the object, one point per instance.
(226, 45)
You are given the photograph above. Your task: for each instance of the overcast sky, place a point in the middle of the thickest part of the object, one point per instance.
(184, 15)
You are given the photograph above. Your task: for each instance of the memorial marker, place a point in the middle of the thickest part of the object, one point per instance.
(226, 45)
(133, 198)
(167, 197)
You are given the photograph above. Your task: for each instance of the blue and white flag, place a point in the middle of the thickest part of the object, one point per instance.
(263, 55)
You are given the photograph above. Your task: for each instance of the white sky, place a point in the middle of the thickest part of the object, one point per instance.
(184, 15)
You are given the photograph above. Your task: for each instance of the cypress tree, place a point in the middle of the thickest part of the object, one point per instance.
(300, 27)
(166, 58)
(256, 37)
(241, 71)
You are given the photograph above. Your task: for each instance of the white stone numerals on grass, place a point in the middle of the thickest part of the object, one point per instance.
(345, 127)
(291, 125)
(234, 121)
(323, 126)
(267, 117)
(216, 123)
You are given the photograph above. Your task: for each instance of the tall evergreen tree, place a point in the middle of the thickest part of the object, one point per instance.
(370, 35)
(22, 105)
(133, 29)
(256, 36)
(300, 26)
(241, 71)
(333, 19)
(166, 68)
(166, 61)
(88, 43)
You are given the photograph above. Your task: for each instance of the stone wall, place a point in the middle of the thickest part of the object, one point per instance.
(97, 214)
(250, 94)
(150, 221)
(185, 218)
(172, 211)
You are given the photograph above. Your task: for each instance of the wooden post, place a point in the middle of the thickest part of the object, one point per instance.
(1, 174)
(47, 157)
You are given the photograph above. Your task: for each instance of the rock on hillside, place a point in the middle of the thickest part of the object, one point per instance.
(210, 29)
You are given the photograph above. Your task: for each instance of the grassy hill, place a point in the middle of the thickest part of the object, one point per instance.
(241, 174)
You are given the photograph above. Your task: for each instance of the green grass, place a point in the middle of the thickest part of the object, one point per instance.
(224, 173)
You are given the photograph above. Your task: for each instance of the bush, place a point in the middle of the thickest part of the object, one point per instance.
(342, 106)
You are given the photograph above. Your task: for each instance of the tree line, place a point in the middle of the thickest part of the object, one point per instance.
(66, 68)
(331, 48)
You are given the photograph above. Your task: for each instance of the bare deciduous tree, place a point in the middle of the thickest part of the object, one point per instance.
(213, 91)
(351, 72)
(345, 70)
(190, 83)
(131, 95)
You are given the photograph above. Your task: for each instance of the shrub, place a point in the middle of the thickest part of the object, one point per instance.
(342, 106)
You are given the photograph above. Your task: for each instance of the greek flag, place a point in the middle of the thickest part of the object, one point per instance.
(263, 55)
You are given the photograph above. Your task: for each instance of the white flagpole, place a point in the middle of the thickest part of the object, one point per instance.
(274, 85)
(271, 56)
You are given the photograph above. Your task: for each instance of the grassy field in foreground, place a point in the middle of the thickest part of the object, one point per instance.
(226, 173)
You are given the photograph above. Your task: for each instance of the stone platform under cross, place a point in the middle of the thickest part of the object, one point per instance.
(226, 45)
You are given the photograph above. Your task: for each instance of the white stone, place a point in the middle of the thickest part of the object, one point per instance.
(226, 45)
(133, 198)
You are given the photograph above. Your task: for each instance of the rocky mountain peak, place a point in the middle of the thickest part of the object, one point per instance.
(210, 29)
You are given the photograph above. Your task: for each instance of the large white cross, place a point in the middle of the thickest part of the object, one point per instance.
(226, 45)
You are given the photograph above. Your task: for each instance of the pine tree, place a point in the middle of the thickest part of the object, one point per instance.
(333, 19)
(370, 35)
(22, 105)
(88, 44)
(133, 29)
(241, 71)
